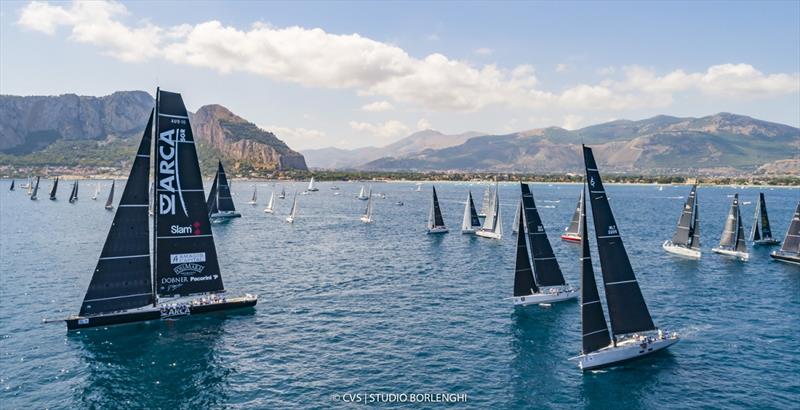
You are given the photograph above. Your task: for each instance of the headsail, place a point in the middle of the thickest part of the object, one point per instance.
(12, 186)
(523, 274)
(213, 194)
(486, 204)
(593, 322)
(574, 223)
(741, 246)
(224, 199)
(626, 306)
(732, 222)
(122, 278)
(493, 222)
(791, 243)
(110, 200)
(185, 255)
(471, 220)
(475, 220)
(545, 266)
(766, 231)
(437, 212)
(684, 233)
(35, 193)
(54, 189)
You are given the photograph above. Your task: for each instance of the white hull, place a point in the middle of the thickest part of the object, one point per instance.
(252, 203)
(545, 297)
(437, 229)
(742, 256)
(624, 351)
(681, 250)
(290, 219)
(268, 210)
(366, 220)
(488, 234)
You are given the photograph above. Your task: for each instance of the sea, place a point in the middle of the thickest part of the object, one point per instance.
(352, 315)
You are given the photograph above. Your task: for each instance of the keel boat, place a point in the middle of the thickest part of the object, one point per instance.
(790, 250)
(686, 240)
(219, 202)
(732, 242)
(435, 220)
(572, 232)
(493, 225)
(761, 234)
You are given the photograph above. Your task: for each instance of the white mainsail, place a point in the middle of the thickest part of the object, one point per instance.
(271, 203)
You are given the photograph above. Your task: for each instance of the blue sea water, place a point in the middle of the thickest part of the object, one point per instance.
(349, 308)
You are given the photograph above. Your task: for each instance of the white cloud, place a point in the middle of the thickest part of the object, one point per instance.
(484, 51)
(313, 57)
(572, 122)
(381, 132)
(560, 68)
(299, 138)
(423, 124)
(378, 106)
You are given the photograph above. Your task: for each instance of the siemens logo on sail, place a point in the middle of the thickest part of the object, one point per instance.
(168, 180)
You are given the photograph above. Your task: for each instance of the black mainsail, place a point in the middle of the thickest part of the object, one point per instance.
(122, 278)
(475, 220)
(687, 233)
(524, 284)
(73, 196)
(733, 232)
(110, 200)
(35, 193)
(224, 199)
(545, 266)
(761, 229)
(574, 223)
(12, 185)
(791, 243)
(626, 306)
(594, 328)
(54, 189)
(185, 255)
(437, 212)
(211, 202)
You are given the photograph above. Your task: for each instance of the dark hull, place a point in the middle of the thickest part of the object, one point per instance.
(76, 323)
(766, 242)
(786, 258)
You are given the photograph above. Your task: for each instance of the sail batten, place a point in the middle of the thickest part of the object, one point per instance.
(546, 270)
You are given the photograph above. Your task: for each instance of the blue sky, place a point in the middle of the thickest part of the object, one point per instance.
(358, 74)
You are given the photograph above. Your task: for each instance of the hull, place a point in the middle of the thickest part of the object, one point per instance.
(313, 190)
(469, 231)
(546, 297)
(165, 311)
(362, 198)
(488, 234)
(681, 250)
(269, 211)
(437, 230)
(289, 219)
(225, 215)
(366, 220)
(786, 257)
(624, 352)
(571, 237)
(742, 256)
(109, 207)
(766, 242)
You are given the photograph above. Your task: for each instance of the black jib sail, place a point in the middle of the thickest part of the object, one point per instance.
(110, 200)
(761, 228)
(35, 193)
(211, 202)
(437, 213)
(54, 189)
(593, 322)
(732, 222)
(224, 199)
(523, 275)
(12, 185)
(574, 223)
(791, 243)
(626, 306)
(122, 278)
(741, 246)
(545, 266)
(185, 255)
(475, 220)
(684, 234)
(73, 196)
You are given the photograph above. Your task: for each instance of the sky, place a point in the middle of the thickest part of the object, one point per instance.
(355, 74)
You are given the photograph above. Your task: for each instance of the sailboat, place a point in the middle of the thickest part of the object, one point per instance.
(732, 242)
(515, 224)
(11, 188)
(311, 187)
(419, 187)
(253, 200)
(367, 217)
(471, 221)
(686, 240)
(283, 193)
(110, 200)
(761, 234)
(572, 232)
(270, 205)
(220, 202)
(435, 220)
(486, 204)
(73, 196)
(633, 333)
(54, 190)
(493, 224)
(293, 211)
(28, 185)
(35, 192)
(184, 277)
(790, 251)
(362, 195)
(538, 278)
(96, 191)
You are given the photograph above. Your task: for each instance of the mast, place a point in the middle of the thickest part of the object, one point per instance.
(626, 306)
(730, 231)
(683, 234)
(185, 256)
(574, 223)
(122, 278)
(524, 284)
(594, 328)
(545, 266)
(791, 242)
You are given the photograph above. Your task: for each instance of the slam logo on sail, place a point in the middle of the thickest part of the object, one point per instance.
(169, 179)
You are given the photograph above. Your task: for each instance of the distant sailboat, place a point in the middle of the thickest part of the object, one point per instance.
(435, 220)
(35, 191)
(367, 217)
(293, 211)
(28, 185)
(184, 278)
(536, 280)
(572, 232)
(270, 205)
(732, 242)
(630, 317)
(362, 195)
(515, 225)
(486, 204)
(283, 193)
(73, 196)
(493, 224)
(761, 234)
(790, 251)
(311, 187)
(54, 190)
(96, 191)
(686, 240)
(110, 200)
(253, 200)
(419, 187)
(220, 202)
(471, 221)
(11, 188)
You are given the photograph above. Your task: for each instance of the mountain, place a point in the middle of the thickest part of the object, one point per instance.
(333, 158)
(71, 130)
(721, 143)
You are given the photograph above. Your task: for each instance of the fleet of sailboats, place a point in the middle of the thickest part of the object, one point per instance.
(790, 250)
(761, 233)
(686, 240)
(732, 243)
(471, 221)
(435, 221)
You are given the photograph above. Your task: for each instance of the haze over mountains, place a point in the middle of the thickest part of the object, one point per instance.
(720, 144)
